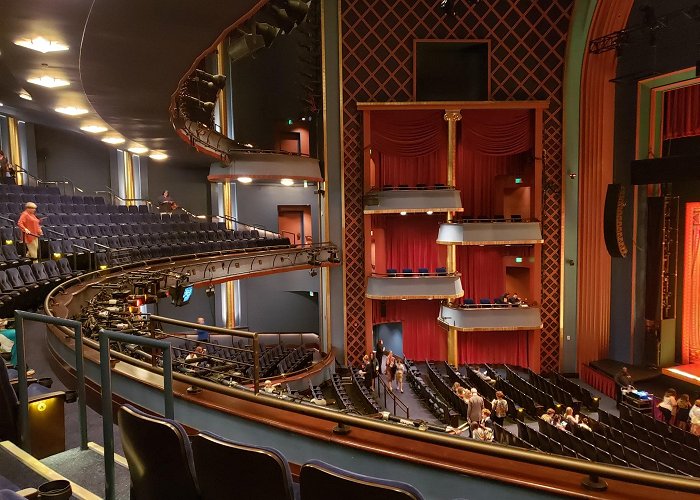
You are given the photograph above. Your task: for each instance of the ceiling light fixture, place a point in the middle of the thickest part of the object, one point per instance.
(402, 213)
(287, 182)
(41, 44)
(93, 129)
(138, 150)
(157, 156)
(429, 212)
(49, 82)
(113, 139)
(245, 180)
(25, 95)
(71, 111)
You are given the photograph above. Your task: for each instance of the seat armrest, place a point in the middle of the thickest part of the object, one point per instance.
(31, 493)
(48, 395)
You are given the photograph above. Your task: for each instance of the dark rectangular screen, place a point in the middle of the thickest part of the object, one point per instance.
(452, 71)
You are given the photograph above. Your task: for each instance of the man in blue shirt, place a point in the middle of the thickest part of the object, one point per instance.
(202, 335)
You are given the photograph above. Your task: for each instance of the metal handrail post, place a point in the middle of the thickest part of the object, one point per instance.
(256, 363)
(77, 328)
(106, 386)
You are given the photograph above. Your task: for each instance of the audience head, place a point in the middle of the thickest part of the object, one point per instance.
(569, 411)
(671, 392)
(697, 402)
(166, 193)
(200, 320)
(199, 349)
(485, 413)
(474, 391)
(556, 418)
(365, 358)
(684, 397)
(624, 370)
(474, 425)
(499, 395)
(30, 205)
(550, 411)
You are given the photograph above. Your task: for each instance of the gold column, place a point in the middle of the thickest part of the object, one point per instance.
(452, 116)
(222, 101)
(15, 153)
(129, 189)
(230, 290)
(222, 104)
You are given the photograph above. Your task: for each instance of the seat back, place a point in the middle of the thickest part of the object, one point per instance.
(8, 407)
(159, 455)
(320, 481)
(40, 271)
(51, 269)
(15, 278)
(64, 267)
(251, 472)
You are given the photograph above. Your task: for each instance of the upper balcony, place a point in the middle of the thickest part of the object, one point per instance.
(418, 199)
(491, 317)
(491, 231)
(409, 285)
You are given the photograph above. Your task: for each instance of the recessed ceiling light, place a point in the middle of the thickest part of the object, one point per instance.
(287, 182)
(93, 129)
(113, 139)
(25, 95)
(429, 212)
(245, 180)
(138, 150)
(157, 156)
(403, 213)
(1, 104)
(41, 44)
(49, 82)
(71, 111)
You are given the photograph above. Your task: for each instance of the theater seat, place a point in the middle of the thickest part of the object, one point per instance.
(159, 455)
(321, 481)
(226, 469)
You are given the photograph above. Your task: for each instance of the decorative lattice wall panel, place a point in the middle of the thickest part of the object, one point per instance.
(528, 39)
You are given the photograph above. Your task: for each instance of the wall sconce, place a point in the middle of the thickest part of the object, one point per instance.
(570, 262)
(572, 175)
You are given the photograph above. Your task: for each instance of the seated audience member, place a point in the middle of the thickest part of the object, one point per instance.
(547, 417)
(569, 417)
(694, 416)
(166, 203)
(585, 424)
(269, 387)
(514, 300)
(480, 433)
(683, 411)
(455, 387)
(558, 422)
(667, 407)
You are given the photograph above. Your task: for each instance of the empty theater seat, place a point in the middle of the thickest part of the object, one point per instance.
(320, 481)
(159, 455)
(226, 469)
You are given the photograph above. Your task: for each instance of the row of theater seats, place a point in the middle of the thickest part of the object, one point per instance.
(422, 271)
(425, 393)
(678, 437)
(367, 395)
(463, 219)
(166, 463)
(457, 404)
(25, 286)
(341, 396)
(468, 303)
(406, 187)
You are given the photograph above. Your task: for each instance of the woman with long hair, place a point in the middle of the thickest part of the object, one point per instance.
(667, 407)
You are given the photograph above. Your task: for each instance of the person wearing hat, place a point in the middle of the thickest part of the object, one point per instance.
(29, 224)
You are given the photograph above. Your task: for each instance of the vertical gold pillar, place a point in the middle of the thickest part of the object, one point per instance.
(452, 116)
(222, 104)
(222, 101)
(15, 153)
(230, 290)
(129, 189)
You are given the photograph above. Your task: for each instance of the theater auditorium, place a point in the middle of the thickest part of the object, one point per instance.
(310, 249)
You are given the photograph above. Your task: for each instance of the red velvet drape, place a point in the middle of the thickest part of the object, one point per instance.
(409, 147)
(691, 286)
(483, 271)
(410, 241)
(494, 347)
(422, 337)
(682, 112)
(497, 133)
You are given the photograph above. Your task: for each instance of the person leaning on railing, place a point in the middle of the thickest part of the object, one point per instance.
(7, 170)
(31, 230)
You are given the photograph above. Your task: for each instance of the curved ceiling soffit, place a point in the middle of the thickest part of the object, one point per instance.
(133, 56)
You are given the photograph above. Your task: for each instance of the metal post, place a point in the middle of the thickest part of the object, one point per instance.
(77, 327)
(106, 384)
(256, 364)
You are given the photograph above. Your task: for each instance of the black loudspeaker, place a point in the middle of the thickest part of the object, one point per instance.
(382, 308)
(613, 220)
(664, 170)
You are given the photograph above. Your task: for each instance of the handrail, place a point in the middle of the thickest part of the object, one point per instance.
(236, 221)
(594, 470)
(72, 184)
(397, 401)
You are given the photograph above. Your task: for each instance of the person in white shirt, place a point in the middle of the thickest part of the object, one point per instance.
(667, 407)
(694, 416)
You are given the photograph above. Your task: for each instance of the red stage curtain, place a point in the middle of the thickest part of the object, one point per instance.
(409, 147)
(483, 274)
(497, 133)
(599, 381)
(411, 170)
(682, 112)
(408, 133)
(410, 241)
(691, 286)
(493, 347)
(475, 177)
(422, 336)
